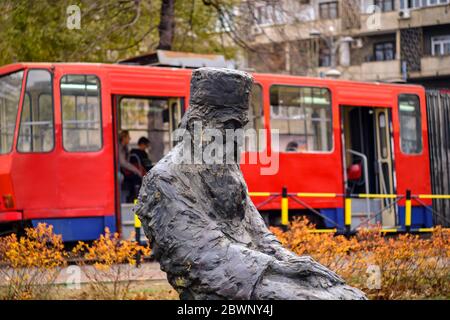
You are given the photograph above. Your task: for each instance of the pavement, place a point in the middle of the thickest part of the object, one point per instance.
(147, 271)
(73, 274)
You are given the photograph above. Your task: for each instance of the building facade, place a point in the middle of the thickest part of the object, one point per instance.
(370, 40)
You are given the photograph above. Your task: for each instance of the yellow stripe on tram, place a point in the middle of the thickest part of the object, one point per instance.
(322, 230)
(259, 194)
(389, 230)
(377, 196)
(426, 229)
(434, 196)
(316, 195)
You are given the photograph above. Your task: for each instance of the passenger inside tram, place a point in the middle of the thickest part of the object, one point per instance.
(145, 125)
(139, 156)
(130, 175)
(292, 146)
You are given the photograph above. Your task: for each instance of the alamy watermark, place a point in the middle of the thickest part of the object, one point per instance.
(73, 280)
(373, 277)
(73, 20)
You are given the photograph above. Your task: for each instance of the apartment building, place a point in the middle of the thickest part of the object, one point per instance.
(372, 40)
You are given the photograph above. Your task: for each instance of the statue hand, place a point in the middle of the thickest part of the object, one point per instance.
(305, 265)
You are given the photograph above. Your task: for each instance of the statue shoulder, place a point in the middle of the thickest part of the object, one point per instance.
(152, 187)
(162, 168)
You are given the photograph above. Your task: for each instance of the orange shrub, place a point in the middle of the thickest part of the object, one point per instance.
(113, 262)
(385, 267)
(30, 264)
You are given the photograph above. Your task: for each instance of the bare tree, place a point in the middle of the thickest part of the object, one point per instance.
(280, 43)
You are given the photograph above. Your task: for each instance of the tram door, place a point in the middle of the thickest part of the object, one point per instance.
(153, 118)
(368, 160)
(384, 164)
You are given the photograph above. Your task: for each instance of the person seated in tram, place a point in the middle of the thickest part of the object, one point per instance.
(292, 146)
(139, 156)
(132, 176)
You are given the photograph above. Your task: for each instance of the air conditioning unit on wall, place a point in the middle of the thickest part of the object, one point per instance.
(404, 14)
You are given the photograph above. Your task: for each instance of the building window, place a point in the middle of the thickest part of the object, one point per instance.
(410, 124)
(10, 89)
(384, 5)
(81, 113)
(384, 51)
(440, 45)
(255, 141)
(36, 132)
(302, 116)
(329, 10)
(411, 4)
(324, 57)
(269, 14)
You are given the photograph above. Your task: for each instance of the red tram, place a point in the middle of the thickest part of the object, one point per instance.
(59, 125)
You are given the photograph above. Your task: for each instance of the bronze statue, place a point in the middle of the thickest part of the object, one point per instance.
(203, 228)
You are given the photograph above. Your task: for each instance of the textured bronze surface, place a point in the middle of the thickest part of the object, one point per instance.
(203, 228)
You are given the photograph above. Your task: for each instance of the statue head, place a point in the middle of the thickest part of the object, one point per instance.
(217, 114)
(219, 98)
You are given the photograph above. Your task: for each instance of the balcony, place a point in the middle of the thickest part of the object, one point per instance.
(419, 17)
(427, 16)
(389, 71)
(388, 21)
(383, 71)
(432, 66)
(292, 31)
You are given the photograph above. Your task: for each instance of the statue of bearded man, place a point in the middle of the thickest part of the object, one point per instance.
(203, 228)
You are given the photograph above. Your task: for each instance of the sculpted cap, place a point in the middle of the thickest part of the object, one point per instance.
(220, 87)
(218, 95)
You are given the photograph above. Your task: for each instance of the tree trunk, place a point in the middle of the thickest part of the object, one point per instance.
(166, 26)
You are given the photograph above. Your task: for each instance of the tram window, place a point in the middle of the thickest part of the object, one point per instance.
(303, 117)
(254, 141)
(154, 118)
(10, 88)
(36, 132)
(410, 124)
(81, 118)
(383, 137)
